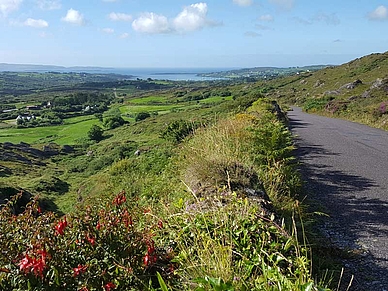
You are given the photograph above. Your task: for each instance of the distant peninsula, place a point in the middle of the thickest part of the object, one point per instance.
(5, 67)
(262, 72)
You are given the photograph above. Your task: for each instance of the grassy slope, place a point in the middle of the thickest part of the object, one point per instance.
(315, 90)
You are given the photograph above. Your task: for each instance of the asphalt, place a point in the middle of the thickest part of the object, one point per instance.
(345, 166)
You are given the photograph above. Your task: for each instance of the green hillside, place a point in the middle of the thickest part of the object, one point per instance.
(357, 90)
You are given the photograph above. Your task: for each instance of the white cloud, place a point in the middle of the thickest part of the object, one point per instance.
(193, 17)
(243, 2)
(124, 35)
(284, 4)
(380, 13)
(49, 4)
(108, 30)
(151, 23)
(36, 23)
(119, 16)
(266, 17)
(8, 6)
(74, 17)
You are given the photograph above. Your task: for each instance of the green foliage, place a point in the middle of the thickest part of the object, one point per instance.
(50, 184)
(141, 116)
(95, 133)
(226, 244)
(177, 130)
(242, 102)
(314, 105)
(112, 122)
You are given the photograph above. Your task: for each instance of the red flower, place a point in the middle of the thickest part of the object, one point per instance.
(98, 226)
(91, 239)
(109, 286)
(146, 259)
(84, 289)
(160, 223)
(25, 264)
(36, 265)
(120, 198)
(150, 258)
(61, 226)
(79, 270)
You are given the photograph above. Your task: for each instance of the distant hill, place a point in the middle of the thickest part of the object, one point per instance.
(357, 90)
(4, 67)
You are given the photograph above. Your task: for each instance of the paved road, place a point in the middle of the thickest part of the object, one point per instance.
(345, 165)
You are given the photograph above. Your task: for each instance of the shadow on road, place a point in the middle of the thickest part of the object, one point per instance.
(353, 216)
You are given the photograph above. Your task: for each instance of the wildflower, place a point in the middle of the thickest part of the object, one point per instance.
(38, 267)
(160, 223)
(120, 198)
(34, 264)
(91, 240)
(61, 226)
(84, 289)
(109, 286)
(25, 264)
(150, 258)
(98, 226)
(79, 270)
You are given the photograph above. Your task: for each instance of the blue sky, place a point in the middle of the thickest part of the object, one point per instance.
(187, 33)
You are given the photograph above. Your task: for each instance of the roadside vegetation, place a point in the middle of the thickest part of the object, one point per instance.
(170, 186)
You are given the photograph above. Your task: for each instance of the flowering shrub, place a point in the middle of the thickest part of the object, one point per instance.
(101, 248)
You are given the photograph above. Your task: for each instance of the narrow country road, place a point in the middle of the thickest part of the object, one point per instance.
(345, 165)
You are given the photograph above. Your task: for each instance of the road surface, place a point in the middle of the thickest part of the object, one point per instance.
(345, 165)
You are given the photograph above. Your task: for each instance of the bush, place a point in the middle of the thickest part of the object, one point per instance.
(177, 130)
(95, 133)
(141, 116)
(103, 248)
(114, 122)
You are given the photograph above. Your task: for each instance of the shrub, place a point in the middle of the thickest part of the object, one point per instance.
(95, 133)
(114, 122)
(141, 116)
(91, 250)
(177, 130)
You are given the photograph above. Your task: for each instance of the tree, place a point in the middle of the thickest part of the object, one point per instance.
(113, 122)
(142, 116)
(95, 133)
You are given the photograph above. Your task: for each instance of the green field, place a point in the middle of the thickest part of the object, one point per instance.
(73, 129)
(149, 100)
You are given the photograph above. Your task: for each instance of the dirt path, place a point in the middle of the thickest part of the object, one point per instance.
(345, 165)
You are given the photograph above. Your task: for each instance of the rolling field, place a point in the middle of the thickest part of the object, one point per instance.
(73, 129)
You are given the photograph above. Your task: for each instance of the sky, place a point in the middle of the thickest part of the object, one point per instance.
(187, 33)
